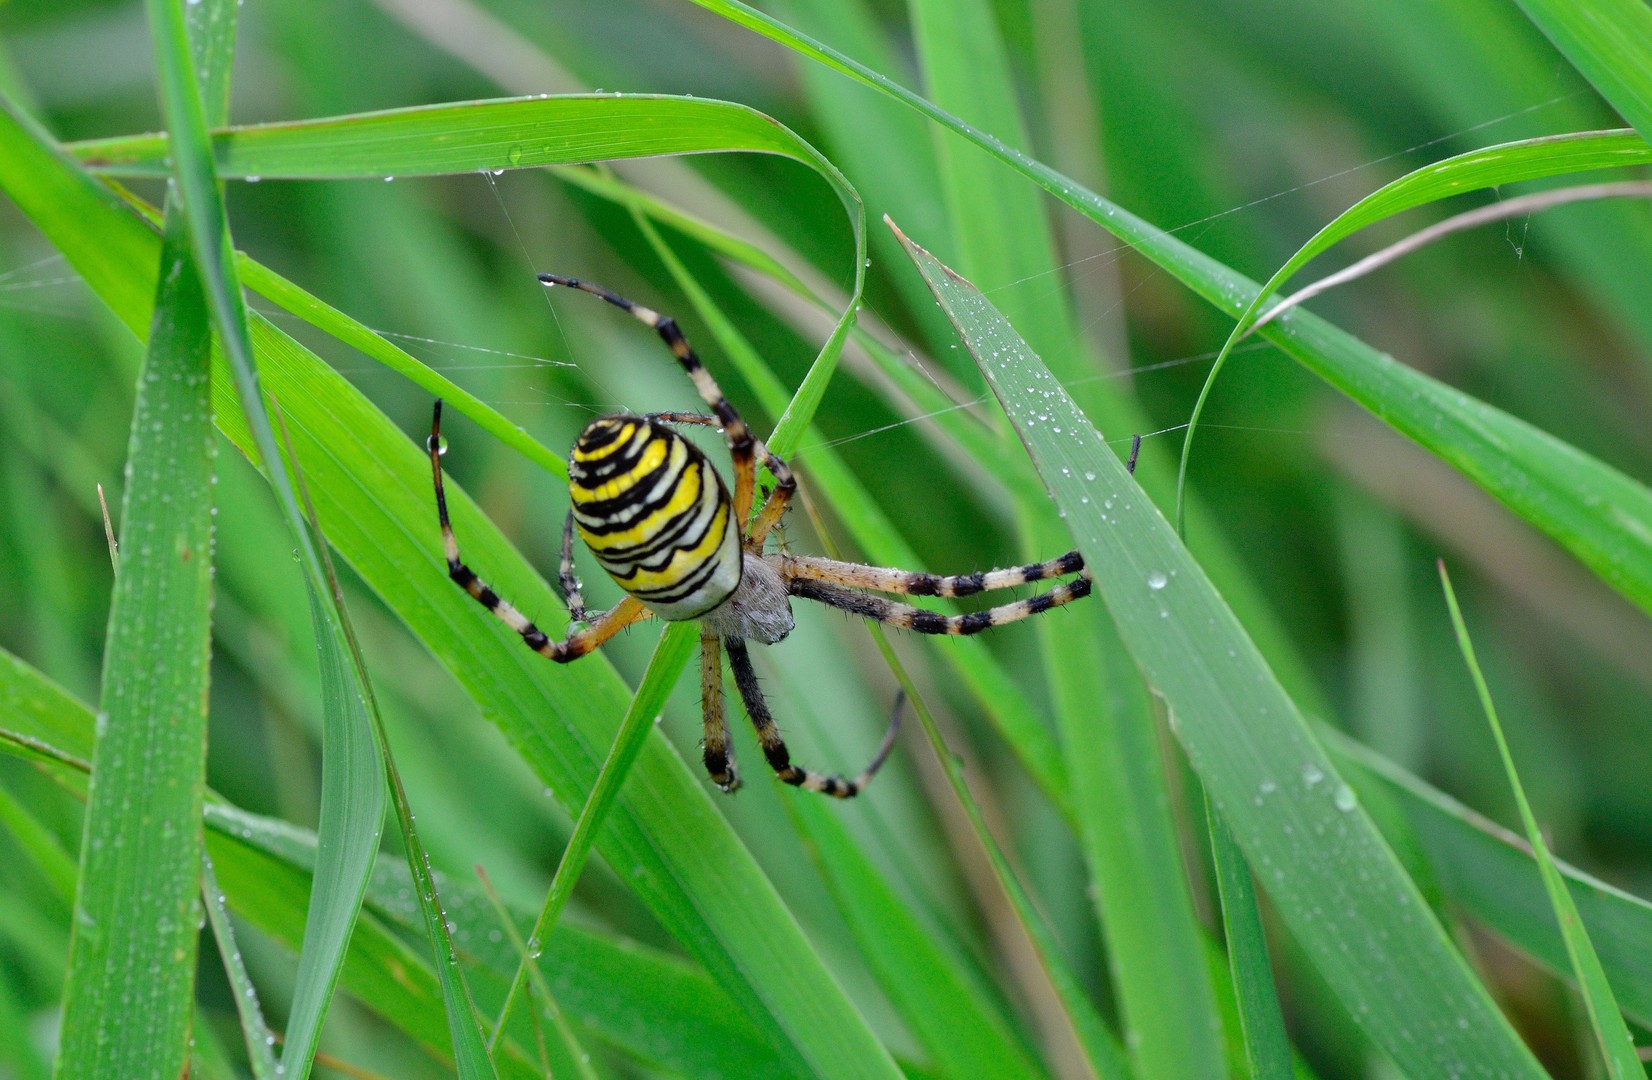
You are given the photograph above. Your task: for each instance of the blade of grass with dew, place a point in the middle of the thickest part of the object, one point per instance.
(370, 485)
(670, 656)
(1603, 517)
(1333, 880)
(1609, 42)
(1146, 911)
(1617, 1048)
(353, 790)
(128, 999)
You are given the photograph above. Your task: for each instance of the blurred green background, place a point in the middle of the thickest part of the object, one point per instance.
(1242, 126)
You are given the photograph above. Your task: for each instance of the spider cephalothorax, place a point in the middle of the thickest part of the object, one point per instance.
(659, 519)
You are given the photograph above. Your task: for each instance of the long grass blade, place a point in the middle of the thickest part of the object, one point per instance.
(353, 792)
(1335, 883)
(1617, 1048)
(129, 1000)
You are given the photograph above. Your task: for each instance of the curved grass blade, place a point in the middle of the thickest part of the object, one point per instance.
(128, 1003)
(1521, 206)
(1334, 881)
(371, 489)
(1616, 1047)
(1528, 159)
(1603, 517)
(521, 133)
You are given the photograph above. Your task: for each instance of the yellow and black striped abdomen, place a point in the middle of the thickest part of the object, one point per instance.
(656, 515)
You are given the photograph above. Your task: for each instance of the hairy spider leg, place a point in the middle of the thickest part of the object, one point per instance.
(912, 583)
(774, 747)
(923, 621)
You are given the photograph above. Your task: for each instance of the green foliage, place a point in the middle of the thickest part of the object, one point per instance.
(1031, 890)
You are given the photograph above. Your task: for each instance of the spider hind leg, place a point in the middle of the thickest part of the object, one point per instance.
(774, 747)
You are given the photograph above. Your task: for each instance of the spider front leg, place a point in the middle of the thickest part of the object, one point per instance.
(576, 644)
(741, 444)
(774, 747)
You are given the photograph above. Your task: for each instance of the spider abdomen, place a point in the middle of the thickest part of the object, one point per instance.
(656, 515)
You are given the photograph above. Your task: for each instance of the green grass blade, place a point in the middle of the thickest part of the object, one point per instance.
(128, 1003)
(1256, 998)
(370, 483)
(260, 1043)
(1336, 884)
(676, 644)
(1616, 1047)
(522, 133)
(1551, 484)
(1610, 43)
(353, 791)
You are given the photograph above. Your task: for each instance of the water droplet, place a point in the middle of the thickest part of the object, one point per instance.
(1345, 799)
(1312, 774)
(1157, 580)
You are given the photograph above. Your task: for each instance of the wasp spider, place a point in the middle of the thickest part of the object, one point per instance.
(659, 518)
